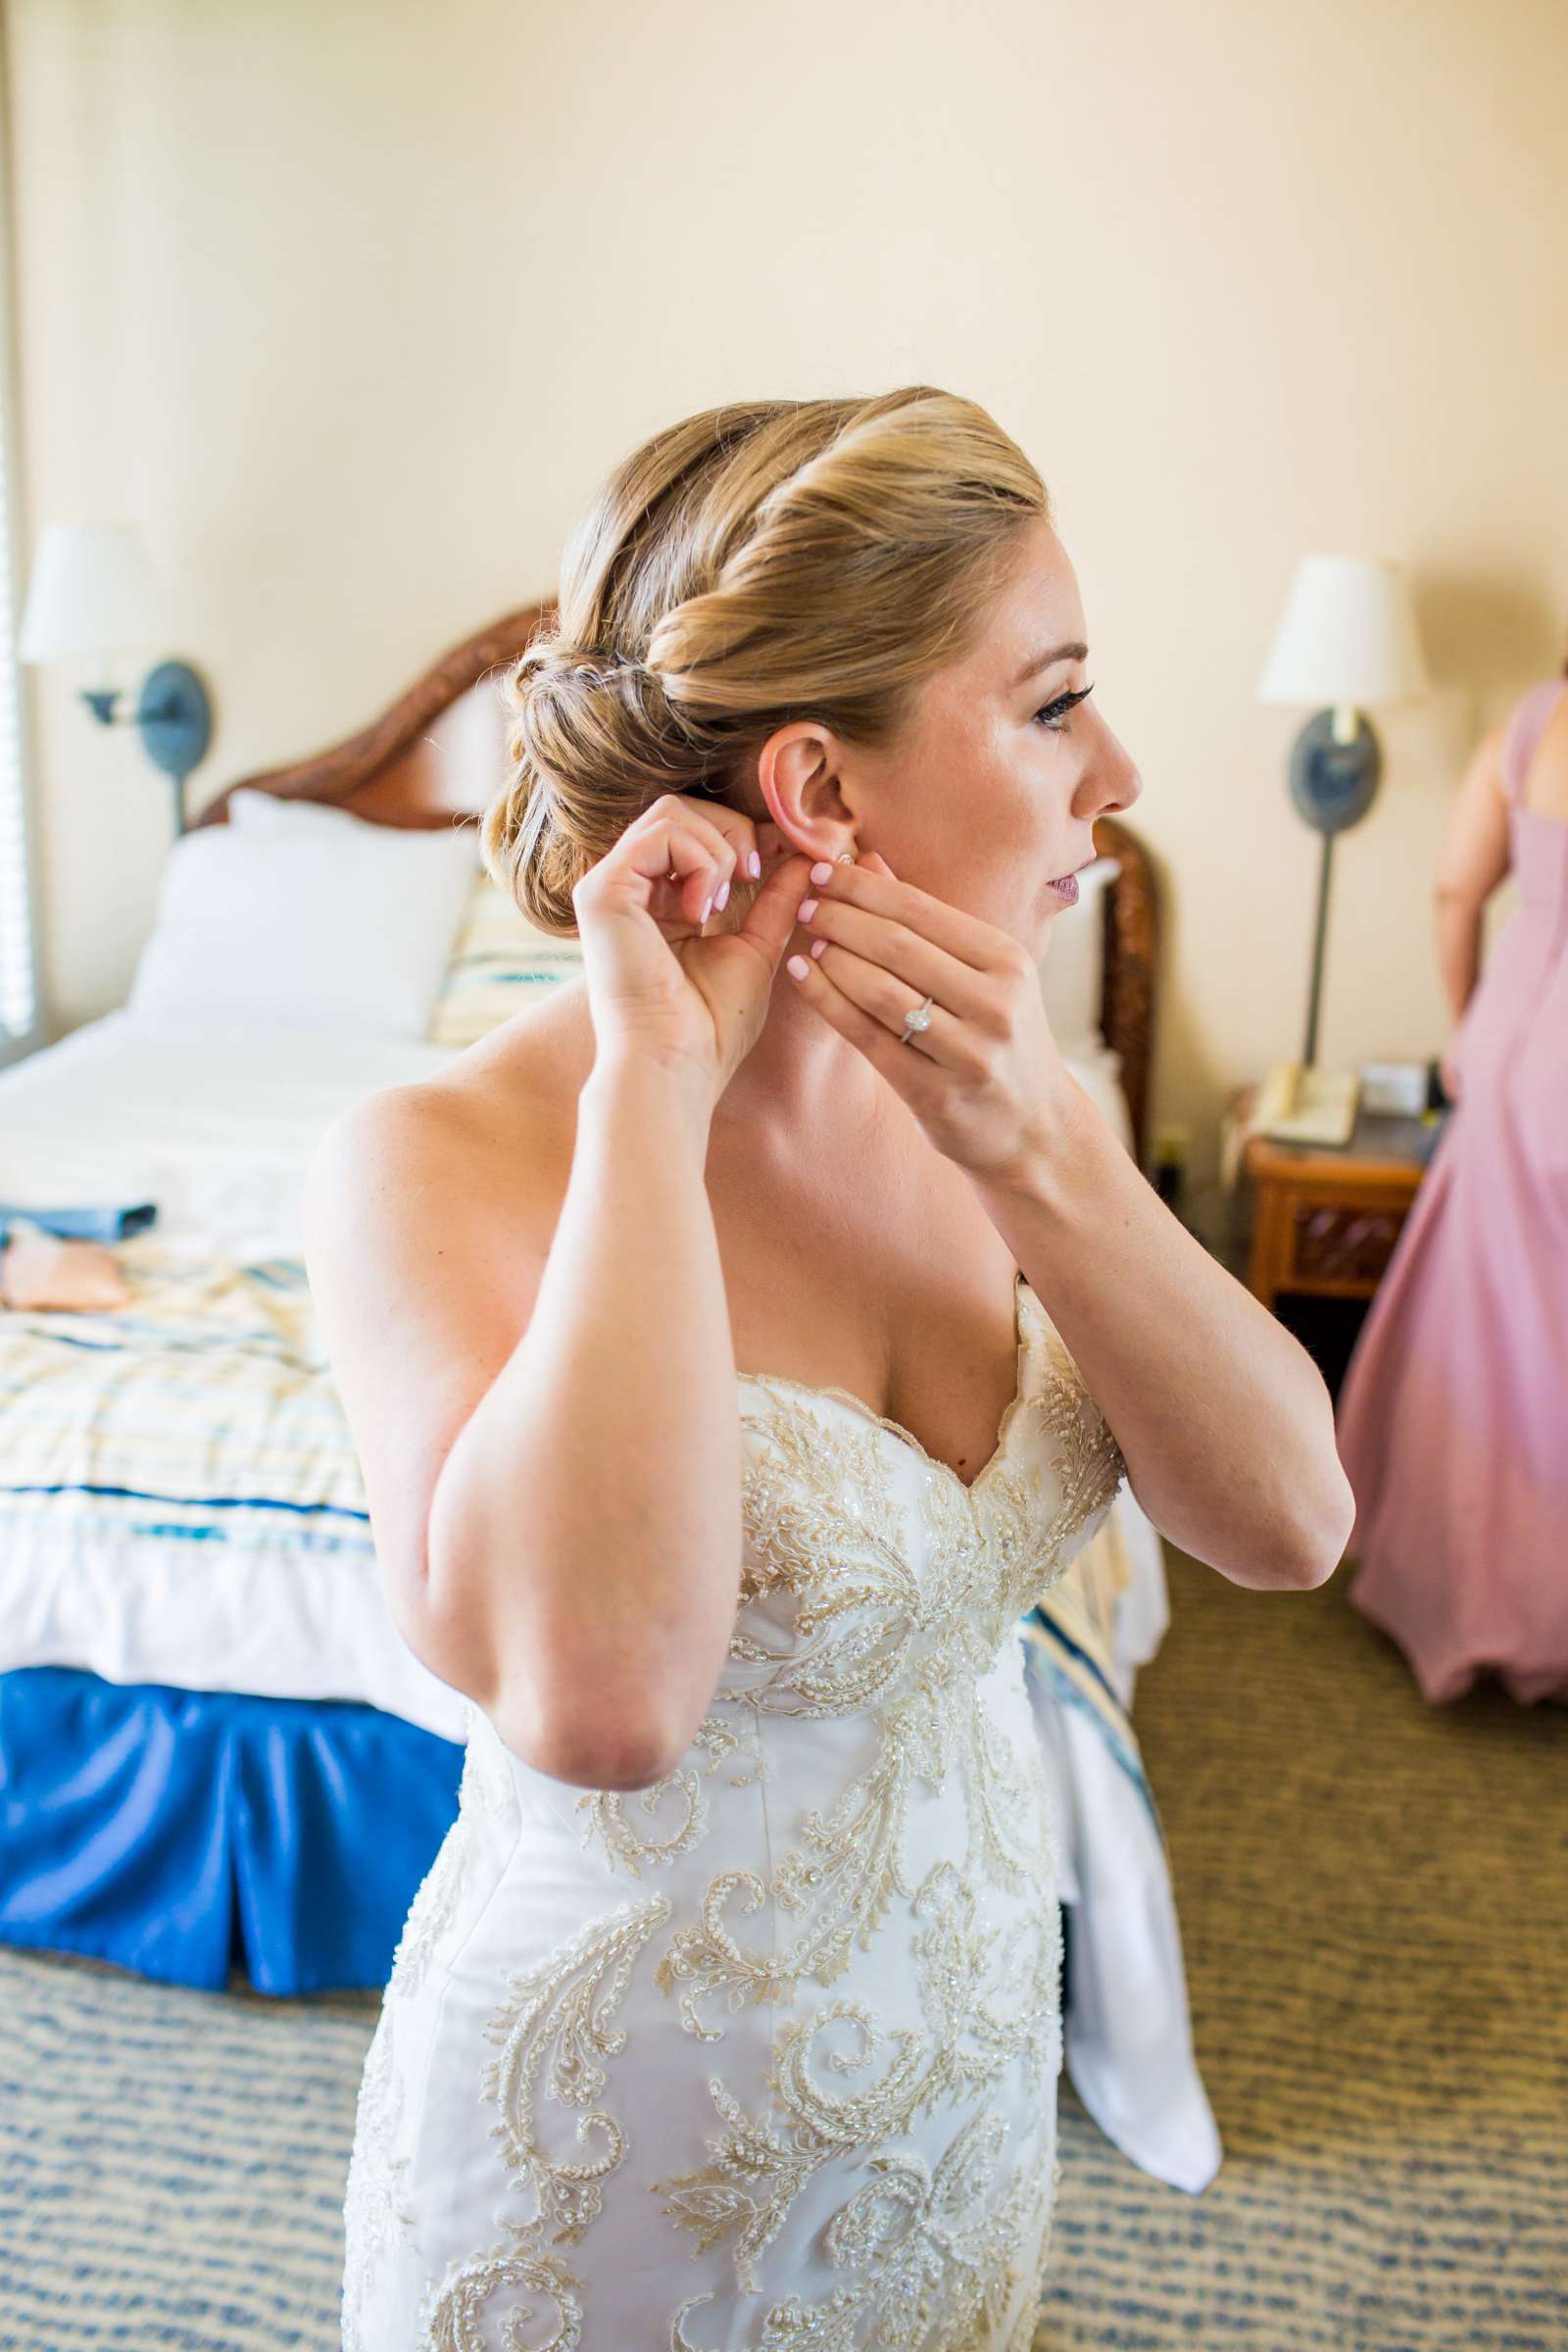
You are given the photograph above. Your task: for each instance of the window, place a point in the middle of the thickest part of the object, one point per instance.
(20, 1019)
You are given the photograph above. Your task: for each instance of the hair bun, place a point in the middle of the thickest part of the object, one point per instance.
(591, 745)
(780, 560)
(553, 663)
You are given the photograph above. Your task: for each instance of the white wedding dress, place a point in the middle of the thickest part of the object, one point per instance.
(764, 2055)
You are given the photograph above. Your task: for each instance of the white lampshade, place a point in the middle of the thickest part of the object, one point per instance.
(92, 592)
(1348, 637)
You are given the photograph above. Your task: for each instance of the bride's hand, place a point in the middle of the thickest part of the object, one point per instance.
(986, 1080)
(656, 985)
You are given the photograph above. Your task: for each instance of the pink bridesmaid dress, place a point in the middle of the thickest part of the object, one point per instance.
(1453, 1416)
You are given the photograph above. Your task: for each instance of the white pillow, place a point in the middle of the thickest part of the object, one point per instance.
(301, 916)
(266, 811)
(499, 961)
(1072, 969)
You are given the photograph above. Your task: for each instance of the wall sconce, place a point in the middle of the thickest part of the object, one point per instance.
(92, 593)
(1348, 637)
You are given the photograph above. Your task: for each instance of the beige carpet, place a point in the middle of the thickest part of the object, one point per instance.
(1374, 1899)
(1374, 1907)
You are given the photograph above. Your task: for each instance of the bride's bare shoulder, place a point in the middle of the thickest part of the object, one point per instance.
(525, 1074)
(428, 1210)
(494, 1129)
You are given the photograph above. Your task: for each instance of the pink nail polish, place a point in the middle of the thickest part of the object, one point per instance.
(708, 907)
(797, 967)
(722, 900)
(753, 863)
(817, 944)
(807, 909)
(822, 871)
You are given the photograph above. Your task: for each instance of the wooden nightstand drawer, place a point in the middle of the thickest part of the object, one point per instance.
(1325, 1219)
(1333, 1248)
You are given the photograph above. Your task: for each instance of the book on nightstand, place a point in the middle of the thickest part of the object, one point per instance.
(1300, 1103)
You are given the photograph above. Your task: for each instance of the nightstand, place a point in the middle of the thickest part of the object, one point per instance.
(1326, 1216)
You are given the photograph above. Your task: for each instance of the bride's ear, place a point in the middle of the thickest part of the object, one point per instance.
(798, 778)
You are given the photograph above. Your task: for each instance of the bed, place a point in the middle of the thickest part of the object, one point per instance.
(216, 1754)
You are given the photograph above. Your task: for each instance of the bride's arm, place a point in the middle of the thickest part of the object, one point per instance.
(589, 1513)
(1224, 1421)
(548, 1439)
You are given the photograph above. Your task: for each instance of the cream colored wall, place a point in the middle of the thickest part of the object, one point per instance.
(350, 304)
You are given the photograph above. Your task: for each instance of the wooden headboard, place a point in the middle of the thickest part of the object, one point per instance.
(412, 766)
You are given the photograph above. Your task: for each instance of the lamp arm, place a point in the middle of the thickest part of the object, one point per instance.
(175, 716)
(101, 701)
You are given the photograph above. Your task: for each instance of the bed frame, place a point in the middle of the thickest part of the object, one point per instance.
(396, 772)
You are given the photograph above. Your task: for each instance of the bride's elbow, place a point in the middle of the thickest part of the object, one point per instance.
(1290, 1552)
(1323, 1536)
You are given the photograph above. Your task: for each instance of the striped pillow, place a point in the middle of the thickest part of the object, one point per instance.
(497, 959)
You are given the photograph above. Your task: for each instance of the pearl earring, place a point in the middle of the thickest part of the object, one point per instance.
(845, 857)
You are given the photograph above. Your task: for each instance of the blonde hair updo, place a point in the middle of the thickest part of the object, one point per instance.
(759, 563)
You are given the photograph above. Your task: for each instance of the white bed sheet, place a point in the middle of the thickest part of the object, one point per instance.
(217, 1126)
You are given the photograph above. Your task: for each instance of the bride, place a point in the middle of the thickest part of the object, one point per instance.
(735, 1344)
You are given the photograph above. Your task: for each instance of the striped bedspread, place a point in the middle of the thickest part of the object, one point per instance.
(1069, 1639)
(202, 1418)
(204, 1413)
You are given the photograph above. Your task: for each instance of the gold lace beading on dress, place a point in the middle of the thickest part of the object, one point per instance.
(883, 1604)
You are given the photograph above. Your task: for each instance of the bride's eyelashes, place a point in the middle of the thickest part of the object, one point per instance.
(1065, 704)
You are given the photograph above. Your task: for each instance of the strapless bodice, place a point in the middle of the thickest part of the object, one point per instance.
(759, 2053)
(871, 1557)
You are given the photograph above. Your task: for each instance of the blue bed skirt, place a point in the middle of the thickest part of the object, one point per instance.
(190, 1834)
(193, 1835)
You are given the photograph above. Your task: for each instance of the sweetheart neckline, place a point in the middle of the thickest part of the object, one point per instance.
(897, 1429)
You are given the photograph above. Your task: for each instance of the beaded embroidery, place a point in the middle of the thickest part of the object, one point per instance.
(374, 2217)
(483, 1791)
(562, 2011)
(451, 2316)
(565, 2009)
(985, 2014)
(868, 1634)
(625, 1847)
(884, 1605)
(937, 2250)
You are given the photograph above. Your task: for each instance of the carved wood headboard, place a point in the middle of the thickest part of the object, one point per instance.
(409, 767)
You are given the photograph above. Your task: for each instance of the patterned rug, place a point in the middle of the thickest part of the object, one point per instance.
(1374, 1900)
